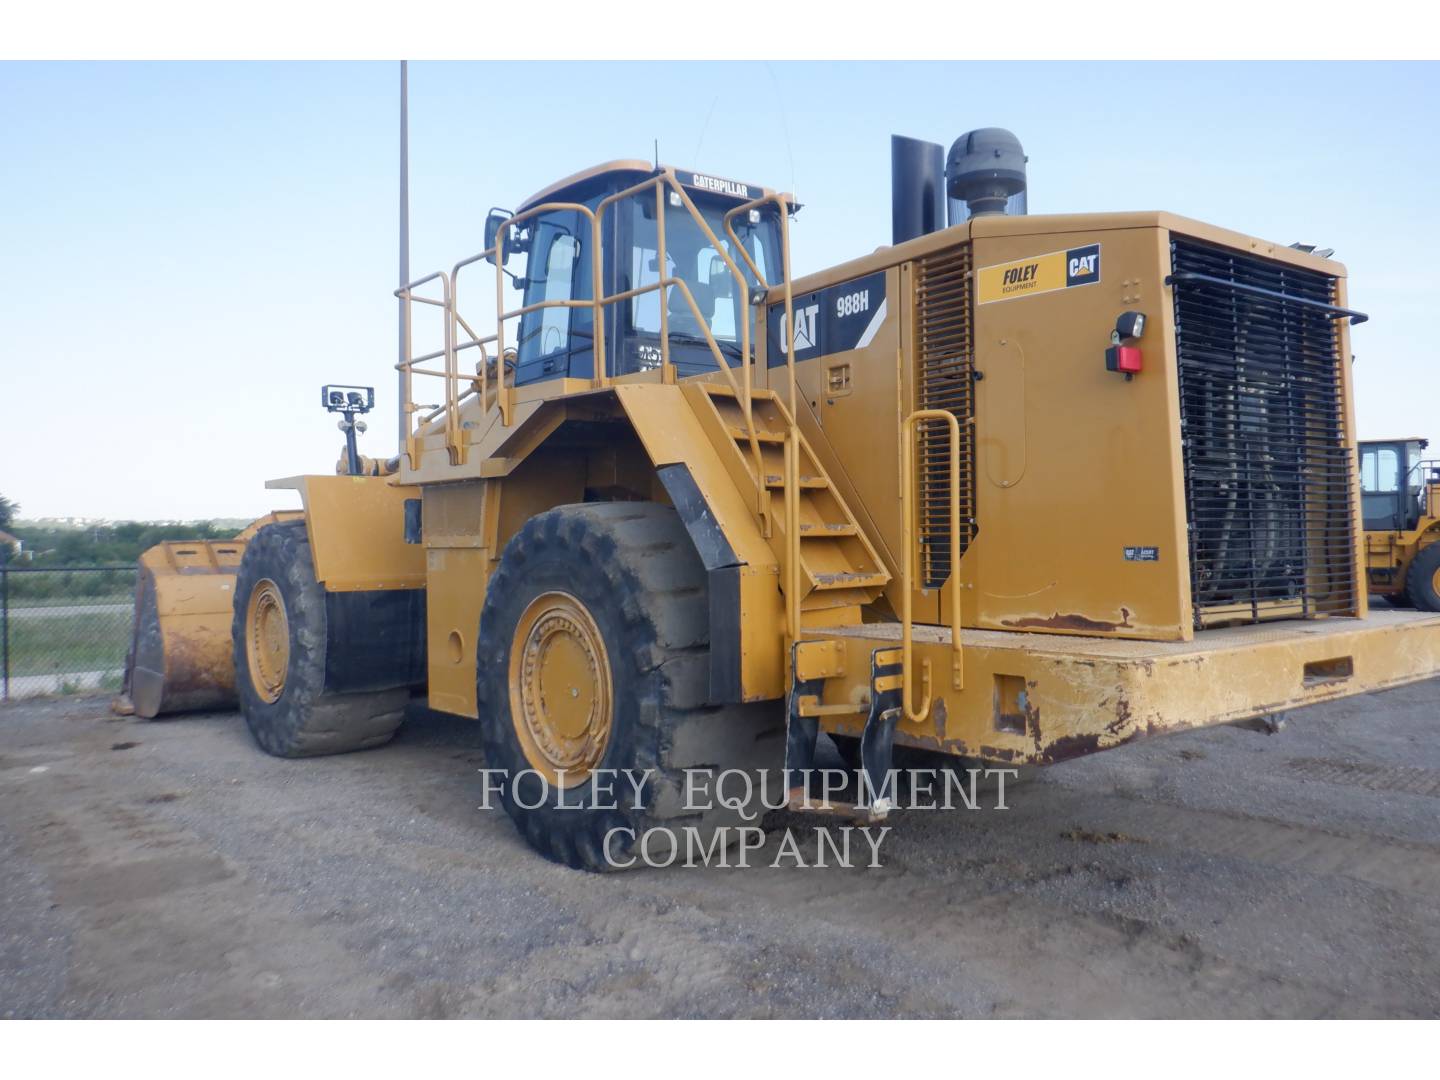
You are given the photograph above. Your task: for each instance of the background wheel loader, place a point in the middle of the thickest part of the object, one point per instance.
(1400, 497)
(1015, 488)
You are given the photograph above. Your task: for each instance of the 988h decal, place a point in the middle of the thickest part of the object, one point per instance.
(835, 319)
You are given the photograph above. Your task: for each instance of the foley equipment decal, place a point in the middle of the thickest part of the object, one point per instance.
(1038, 274)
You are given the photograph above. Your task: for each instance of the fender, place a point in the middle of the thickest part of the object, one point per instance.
(746, 609)
(374, 580)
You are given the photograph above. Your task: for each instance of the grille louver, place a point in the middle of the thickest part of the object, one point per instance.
(945, 370)
(1267, 470)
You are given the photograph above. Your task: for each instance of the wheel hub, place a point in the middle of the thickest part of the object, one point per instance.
(561, 696)
(267, 640)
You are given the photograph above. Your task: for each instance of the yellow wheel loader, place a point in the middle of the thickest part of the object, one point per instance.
(1013, 489)
(1400, 504)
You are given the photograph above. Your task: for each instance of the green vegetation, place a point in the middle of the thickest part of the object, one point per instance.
(119, 543)
(59, 589)
(66, 622)
(42, 644)
(125, 594)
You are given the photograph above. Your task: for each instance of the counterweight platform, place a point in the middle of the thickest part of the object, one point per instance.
(1030, 697)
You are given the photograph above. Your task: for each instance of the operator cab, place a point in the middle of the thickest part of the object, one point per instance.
(555, 342)
(1392, 484)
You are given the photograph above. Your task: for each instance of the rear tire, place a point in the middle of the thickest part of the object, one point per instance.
(593, 655)
(1422, 580)
(280, 641)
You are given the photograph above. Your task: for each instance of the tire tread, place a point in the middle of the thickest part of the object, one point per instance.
(307, 720)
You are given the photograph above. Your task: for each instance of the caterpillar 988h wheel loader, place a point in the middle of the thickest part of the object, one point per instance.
(1400, 506)
(1014, 488)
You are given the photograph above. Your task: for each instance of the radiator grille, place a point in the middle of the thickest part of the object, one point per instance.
(945, 368)
(1267, 470)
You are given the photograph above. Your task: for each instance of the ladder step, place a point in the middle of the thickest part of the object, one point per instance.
(820, 532)
(810, 707)
(829, 599)
(740, 435)
(720, 389)
(850, 581)
(807, 483)
(798, 801)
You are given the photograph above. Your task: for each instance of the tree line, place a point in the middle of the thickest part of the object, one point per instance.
(117, 544)
(120, 543)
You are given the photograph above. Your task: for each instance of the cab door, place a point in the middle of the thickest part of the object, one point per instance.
(1382, 487)
(557, 341)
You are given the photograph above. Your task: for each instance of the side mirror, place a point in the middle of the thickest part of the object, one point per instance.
(496, 219)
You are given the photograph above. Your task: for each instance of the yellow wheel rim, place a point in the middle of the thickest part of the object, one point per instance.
(267, 640)
(561, 695)
(1435, 581)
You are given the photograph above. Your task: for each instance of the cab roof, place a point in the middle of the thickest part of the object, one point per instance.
(634, 171)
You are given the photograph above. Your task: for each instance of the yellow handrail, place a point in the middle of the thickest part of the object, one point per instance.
(662, 182)
(784, 206)
(786, 337)
(407, 367)
(909, 515)
(792, 535)
(666, 180)
(505, 394)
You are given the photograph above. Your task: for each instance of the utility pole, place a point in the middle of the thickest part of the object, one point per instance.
(404, 253)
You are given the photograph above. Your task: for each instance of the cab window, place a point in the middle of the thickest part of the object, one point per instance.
(1380, 470)
(559, 285)
(693, 258)
(717, 282)
(710, 284)
(644, 270)
(556, 340)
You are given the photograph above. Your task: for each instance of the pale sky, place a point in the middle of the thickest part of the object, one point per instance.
(188, 251)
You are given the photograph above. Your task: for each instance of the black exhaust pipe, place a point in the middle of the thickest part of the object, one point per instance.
(917, 188)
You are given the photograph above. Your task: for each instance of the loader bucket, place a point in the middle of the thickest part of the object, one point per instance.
(180, 651)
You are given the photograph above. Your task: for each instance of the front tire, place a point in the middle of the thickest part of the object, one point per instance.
(592, 656)
(280, 641)
(1422, 580)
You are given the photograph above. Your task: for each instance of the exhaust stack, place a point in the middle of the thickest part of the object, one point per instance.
(917, 188)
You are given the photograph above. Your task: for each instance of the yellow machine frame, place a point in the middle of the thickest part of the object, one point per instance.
(1042, 661)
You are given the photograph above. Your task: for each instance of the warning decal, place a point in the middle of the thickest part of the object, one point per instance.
(1038, 274)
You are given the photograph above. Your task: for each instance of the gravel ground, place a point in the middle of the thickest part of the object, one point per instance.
(170, 869)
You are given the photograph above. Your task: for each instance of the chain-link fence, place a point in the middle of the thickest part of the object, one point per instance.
(64, 630)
